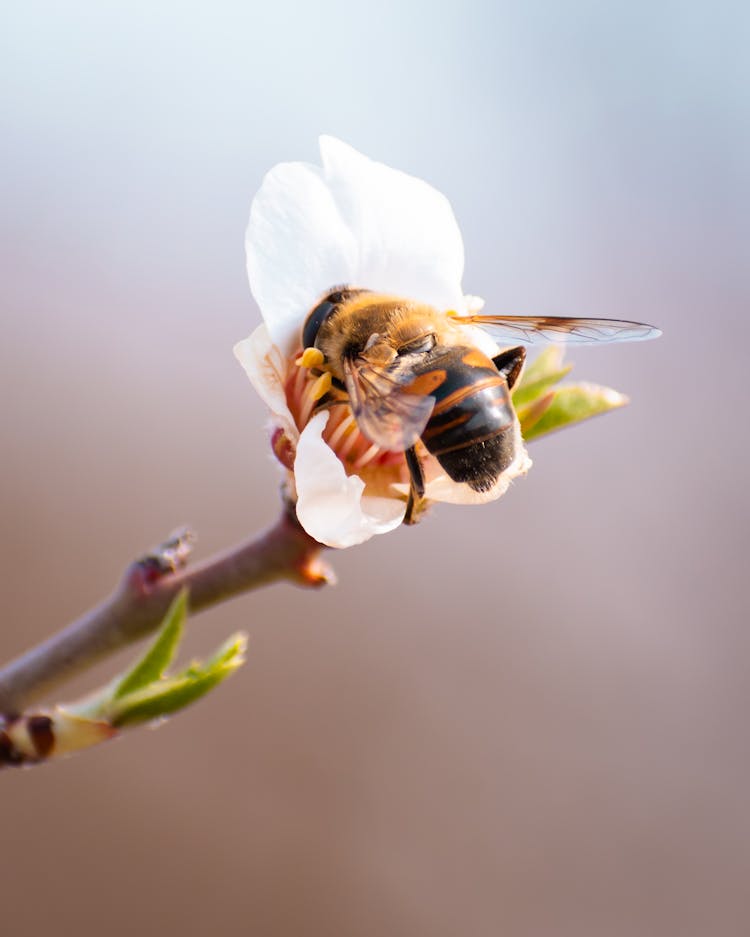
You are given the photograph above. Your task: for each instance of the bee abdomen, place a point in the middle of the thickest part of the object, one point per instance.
(472, 428)
(480, 464)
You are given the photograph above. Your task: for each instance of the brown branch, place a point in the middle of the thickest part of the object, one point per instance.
(136, 608)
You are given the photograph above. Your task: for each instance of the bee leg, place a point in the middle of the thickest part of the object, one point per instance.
(416, 486)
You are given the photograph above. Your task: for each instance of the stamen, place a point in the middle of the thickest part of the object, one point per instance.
(367, 456)
(341, 430)
(348, 444)
(312, 393)
(311, 358)
(299, 382)
(338, 415)
(306, 405)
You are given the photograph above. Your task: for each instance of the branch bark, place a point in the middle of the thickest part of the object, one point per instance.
(284, 552)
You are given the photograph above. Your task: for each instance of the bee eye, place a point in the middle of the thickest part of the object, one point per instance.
(418, 346)
(328, 305)
(314, 321)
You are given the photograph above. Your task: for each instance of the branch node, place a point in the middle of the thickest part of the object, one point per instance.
(283, 552)
(163, 560)
(312, 571)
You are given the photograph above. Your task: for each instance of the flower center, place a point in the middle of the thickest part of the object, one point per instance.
(308, 387)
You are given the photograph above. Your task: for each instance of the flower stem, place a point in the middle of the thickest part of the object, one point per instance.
(136, 608)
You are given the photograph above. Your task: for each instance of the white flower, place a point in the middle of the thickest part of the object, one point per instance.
(355, 222)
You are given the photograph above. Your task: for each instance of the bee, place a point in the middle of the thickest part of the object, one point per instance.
(412, 374)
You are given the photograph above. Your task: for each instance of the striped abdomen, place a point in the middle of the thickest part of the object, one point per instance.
(472, 430)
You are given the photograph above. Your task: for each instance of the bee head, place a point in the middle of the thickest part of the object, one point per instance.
(326, 307)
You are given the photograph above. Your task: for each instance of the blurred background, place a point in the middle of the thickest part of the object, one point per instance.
(528, 718)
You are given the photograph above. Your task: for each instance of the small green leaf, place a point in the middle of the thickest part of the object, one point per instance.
(573, 403)
(169, 694)
(234, 647)
(546, 362)
(530, 390)
(160, 652)
(532, 413)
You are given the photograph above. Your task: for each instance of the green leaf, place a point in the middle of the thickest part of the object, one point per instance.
(169, 694)
(145, 693)
(226, 653)
(530, 415)
(533, 387)
(573, 403)
(548, 360)
(160, 652)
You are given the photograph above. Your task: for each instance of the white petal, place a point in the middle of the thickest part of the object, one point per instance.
(298, 246)
(408, 240)
(266, 368)
(473, 304)
(330, 505)
(354, 222)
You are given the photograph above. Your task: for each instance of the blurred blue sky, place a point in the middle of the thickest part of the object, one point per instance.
(550, 125)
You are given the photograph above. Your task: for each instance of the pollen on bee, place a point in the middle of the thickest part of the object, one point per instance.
(311, 358)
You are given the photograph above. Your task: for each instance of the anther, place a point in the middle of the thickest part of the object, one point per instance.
(311, 358)
(312, 393)
(322, 385)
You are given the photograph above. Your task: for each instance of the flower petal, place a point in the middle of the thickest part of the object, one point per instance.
(298, 246)
(354, 222)
(265, 366)
(330, 504)
(408, 240)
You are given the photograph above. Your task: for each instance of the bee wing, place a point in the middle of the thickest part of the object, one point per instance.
(385, 413)
(536, 330)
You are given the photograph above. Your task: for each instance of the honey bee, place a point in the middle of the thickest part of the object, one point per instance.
(412, 374)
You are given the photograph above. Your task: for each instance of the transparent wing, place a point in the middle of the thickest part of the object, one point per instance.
(385, 413)
(537, 330)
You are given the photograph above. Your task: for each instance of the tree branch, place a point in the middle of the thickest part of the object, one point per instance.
(137, 606)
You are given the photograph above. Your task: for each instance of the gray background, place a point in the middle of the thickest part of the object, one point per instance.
(525, 719)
